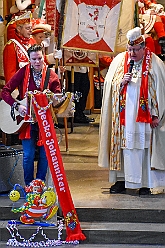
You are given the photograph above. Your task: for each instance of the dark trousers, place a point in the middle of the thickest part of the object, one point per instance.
(81, 84)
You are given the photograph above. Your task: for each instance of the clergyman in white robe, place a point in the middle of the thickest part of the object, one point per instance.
(141, 161)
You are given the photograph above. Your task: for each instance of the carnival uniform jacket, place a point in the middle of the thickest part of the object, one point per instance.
(15, 52)
(15, 57)
(17, 81)
(12, 57)
(107, 125)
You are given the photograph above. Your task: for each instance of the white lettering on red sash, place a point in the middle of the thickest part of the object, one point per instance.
(52, 150)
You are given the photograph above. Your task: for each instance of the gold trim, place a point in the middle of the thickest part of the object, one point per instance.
(136, 42)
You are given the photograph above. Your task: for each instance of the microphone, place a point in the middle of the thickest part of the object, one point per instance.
(131, 65)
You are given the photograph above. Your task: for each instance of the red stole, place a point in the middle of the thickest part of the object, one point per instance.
(143, 111)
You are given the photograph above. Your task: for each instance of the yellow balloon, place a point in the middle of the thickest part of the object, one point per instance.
(14, 195)
(49, 197)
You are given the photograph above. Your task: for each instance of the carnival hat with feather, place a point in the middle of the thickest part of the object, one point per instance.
(40, 26)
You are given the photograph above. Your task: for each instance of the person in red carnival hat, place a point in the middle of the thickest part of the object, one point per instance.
(153, 22)
(38, 36)
(39, 30)
(144, 5)
(132, 107)
(21, 5)
(19, 32)
(148, 22)
(154, 32)
(159, 10)
(31, 77)
(15, 51)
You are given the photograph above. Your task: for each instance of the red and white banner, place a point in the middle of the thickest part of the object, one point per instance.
(85, 58)
(91, 25)
(51, 13)
(46, 127)
(126, 22)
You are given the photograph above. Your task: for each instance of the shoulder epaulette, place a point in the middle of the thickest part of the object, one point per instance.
(9, 42)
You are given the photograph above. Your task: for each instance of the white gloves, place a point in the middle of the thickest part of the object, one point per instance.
(140, 5)
(57, 54)
(46, 42)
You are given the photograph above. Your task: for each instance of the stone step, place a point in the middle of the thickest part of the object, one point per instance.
(121, 215)
(103, 226)
(124, 233)
(139, 215)
(100, 233)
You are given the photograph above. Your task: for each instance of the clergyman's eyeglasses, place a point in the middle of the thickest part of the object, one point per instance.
(134, 50)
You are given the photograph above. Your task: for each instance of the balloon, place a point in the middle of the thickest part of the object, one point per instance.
(14, 195)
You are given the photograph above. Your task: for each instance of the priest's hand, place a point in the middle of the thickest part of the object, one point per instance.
(127, 78)
(155, 121)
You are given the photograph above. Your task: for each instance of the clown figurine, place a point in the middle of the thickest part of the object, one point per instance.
(39, 202)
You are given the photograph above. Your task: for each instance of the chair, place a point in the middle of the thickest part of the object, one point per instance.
(66, 110)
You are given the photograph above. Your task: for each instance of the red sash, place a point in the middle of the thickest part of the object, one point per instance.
(50, 142)
(143, 111)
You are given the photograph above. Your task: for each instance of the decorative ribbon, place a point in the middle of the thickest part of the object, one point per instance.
(46, 242)
(50, 142)
(51, 13)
